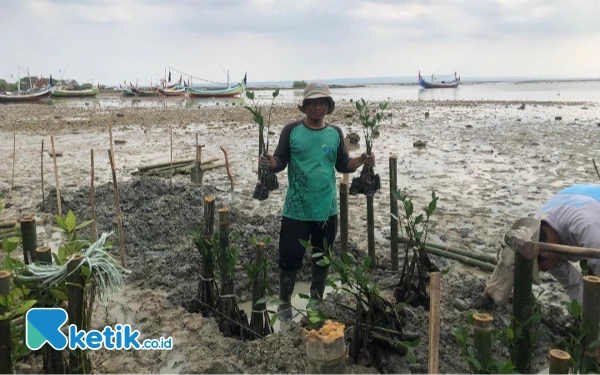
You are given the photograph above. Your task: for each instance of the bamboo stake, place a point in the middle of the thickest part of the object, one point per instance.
(522, 310)
(470, 254)
(371, 231)
(591, 317)
(209, 216)
(42, 174)
(53, 359)
(79, 362)
(483, 337)
(171, 168)
(118, 207)
(226, 298)
(8, 230)
(44, 254)
(56, 177)
(227, 166)
(461, 258)
(145, 168)
(394, 211)
(560, 362)
(434, 322)
(29, 234)
(344, 216)
(92, 198)
(5, 335)
(596, 168)
(12, 184)
(346, 177)
(257, 317)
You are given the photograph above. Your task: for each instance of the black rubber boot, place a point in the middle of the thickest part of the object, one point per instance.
(319, 277)
(287, 281)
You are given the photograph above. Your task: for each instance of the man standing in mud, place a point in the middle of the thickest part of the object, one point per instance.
(571, 217)
(313, 150)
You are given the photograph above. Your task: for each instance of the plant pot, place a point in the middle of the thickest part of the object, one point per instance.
(270, 180)
(367, 183)
(261, 192)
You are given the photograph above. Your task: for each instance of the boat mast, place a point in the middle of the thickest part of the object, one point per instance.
(18, 79)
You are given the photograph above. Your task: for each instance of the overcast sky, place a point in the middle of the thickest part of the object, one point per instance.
(114, 40)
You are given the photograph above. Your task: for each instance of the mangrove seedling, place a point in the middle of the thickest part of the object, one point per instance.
(257, 273)
(368, 182)
(415, 258)
(267, 179)
(376, 319)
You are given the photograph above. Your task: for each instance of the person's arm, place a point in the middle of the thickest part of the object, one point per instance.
(281, 156)
(344, 163)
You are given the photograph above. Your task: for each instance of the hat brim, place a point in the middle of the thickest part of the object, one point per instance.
(317, 96)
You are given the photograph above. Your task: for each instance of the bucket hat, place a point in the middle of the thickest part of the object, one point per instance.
(317, 90)
(527, 228)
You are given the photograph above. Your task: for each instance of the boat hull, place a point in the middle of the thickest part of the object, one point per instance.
(25, 97)
(170, 92)
(220, 93)
(441, 85)
(74, 93)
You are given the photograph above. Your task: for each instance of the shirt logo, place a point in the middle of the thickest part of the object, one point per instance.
(326, 149)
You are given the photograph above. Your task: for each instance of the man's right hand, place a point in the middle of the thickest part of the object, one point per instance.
(266, 161)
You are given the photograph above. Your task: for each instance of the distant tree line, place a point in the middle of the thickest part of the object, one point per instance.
(299, 84)
(25, 85)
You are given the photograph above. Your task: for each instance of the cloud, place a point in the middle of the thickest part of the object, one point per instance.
(281, 39)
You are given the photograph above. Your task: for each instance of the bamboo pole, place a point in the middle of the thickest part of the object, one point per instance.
(145, 168)
(226, 298)
(591, 318)
(171, 167)
(8, 230)
(487, 258)
(56, 177)
(346, 177)
(29, 234)
(227, 167)
(7, 235)
(42, 174)
(209, 216)
(92, 198)
(118, 208)
(560, 362)
(79, 362)
(535, 247)
(371, 231)
(12, 184)
(522, 310)
(44, 254)
(344, 216)
(8, 224)
(394, 211)
(596, 168)
(483, 337)
(461, 258)
(434, 322)
(53, 359)
(5, 334)
(257, 317)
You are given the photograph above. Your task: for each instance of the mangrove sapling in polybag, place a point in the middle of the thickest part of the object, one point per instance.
(368, 182)
(267, 179)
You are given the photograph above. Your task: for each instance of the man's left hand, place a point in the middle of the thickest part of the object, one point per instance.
(368, 159)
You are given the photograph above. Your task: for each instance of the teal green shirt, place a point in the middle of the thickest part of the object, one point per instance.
(312, 157)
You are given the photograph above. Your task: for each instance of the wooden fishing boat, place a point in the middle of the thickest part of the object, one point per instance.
(150, 92)
(236, 90)
(75, 93)
(127, 92)
(15, 97)
(173, 91)
(440, 84)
